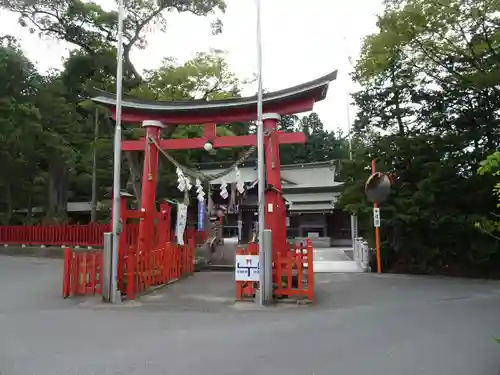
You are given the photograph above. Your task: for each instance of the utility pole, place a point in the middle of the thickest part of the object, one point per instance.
(117, 154)
(261, 166)
(354, 218)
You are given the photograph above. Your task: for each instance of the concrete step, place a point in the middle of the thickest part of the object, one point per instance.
(341, 266)
(317, 242)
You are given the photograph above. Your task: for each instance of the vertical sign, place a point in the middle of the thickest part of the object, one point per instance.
(201, 215)
(181, 222)
(376, 217)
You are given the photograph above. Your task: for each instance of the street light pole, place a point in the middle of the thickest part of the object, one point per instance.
(117, 155)
(354, 218)
(260, 165)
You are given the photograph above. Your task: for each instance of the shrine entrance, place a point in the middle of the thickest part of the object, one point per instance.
(155, 116)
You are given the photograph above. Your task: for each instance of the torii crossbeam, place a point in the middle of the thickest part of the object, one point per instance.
(155, 115)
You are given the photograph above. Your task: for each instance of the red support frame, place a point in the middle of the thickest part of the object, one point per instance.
(217, 142)
(275, 206)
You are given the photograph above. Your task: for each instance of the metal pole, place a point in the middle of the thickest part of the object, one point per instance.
(93, 204)
(354, 219)
(267, 240)
(260, 163)
(106, 274)
(117, 154)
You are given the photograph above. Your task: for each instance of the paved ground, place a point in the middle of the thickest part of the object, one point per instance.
(331, 259)
(334, 259)
(362, 324)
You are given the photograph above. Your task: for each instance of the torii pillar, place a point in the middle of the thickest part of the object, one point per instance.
(149, 181)
(275, 209)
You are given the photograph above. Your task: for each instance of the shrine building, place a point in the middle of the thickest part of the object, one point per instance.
(310, 191)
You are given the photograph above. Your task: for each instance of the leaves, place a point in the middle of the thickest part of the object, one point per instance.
(428, 115)
(93, 30)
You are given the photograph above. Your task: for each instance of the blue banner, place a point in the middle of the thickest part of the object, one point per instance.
(201, 215)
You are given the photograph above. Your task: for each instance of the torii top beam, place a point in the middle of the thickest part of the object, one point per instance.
(289, 101)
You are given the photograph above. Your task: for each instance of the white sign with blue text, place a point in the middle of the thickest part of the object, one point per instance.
(247, 268)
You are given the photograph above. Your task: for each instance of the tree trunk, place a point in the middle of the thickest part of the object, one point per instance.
(29, 208)
(58, 189)
(134, 180)
(8, 199)
(397, 104)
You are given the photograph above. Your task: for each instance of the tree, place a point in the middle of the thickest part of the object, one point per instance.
(63, 140)
(491, 167)
(321, 144)
(18, 121)
(93, 30)
(428, 80)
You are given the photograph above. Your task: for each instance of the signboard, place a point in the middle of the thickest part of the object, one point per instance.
(181, 222)
(376, 217)
(201, 215)
(247, 268)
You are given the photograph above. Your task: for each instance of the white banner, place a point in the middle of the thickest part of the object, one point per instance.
(181, 222)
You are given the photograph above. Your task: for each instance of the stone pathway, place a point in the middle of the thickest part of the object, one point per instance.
(334, 259)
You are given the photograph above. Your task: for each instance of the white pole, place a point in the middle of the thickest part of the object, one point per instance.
(260, 164)
(117, 155)
(354, 218)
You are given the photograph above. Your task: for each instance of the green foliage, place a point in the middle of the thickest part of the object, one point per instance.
(427, 114)
(322, 145)
(47, 130)
(491, 166)
(93, 30)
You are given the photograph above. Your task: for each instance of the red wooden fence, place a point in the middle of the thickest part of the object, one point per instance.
(138, 271)
(160, 265)
(82, 272)
(57, 235)
(91, 235)
(293, 274)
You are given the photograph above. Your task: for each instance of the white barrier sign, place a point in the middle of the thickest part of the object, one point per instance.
(181, 222)
(376, 217)
(247, 268)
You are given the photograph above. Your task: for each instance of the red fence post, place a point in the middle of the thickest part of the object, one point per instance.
(190, 255)
(67, 272)
(310, 271)
(130, 273)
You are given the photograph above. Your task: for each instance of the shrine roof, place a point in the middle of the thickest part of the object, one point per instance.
(295, 178)
(296, 99)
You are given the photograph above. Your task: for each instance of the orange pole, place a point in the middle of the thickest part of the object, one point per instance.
(377, 230)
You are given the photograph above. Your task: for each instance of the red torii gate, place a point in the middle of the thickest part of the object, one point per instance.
(155, 115)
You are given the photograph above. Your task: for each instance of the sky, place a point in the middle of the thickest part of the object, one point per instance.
(301, 40)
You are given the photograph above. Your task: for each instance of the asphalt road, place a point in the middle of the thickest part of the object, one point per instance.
(361, 324)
